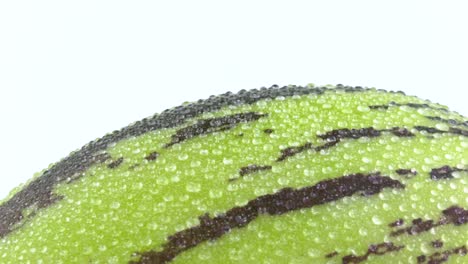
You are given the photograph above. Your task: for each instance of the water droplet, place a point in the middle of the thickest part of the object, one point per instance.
(147, 241)
(161, 180)
(96, 201)
(267, 147)
(363, 231)
(283, 181)
(442, 126)
(363, 108)
(115, 205)
(195, 163)
(193, 187)
(215, 193)
(278, 225)
(152, 226)
(138, 185)
(386, 207)
(453, 199)
(184, 198)
(279, 252)
(313, 253)
(256, 141)
(86, 250)
(175, 178)
(182, 156)
(415, 197)
(168, 198)
(204, 255)
(308, 172)
(170, 167)
(376, 220)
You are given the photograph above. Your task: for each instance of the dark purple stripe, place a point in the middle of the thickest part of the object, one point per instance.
(281, 202)
(211, 125)
(333, 137)
(453, 215)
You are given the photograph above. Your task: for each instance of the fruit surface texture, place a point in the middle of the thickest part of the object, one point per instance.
(332, 174)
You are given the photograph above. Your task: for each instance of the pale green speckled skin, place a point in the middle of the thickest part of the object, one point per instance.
(149, 186)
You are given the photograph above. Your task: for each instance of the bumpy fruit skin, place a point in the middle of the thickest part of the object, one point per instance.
(279, 175)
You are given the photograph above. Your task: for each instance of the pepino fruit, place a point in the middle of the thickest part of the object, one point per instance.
(280, 175)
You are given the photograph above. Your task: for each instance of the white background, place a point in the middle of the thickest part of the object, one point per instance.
(71, 71)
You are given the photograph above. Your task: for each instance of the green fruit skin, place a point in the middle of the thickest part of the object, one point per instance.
(156, 184)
